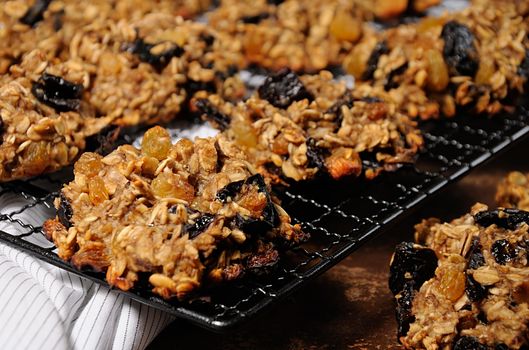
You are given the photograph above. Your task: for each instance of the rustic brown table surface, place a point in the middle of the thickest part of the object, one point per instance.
(350, 306)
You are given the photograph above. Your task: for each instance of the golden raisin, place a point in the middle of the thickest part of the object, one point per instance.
(97, 192)
(167, 185)
(37, 157)
(438, 77)
(345, 27)
(486, 70)
(386, 9)
(356, 62)
(156, 143)
(254, 201)
(244, 133)
(89, 164)
(430, 23)
(452, 283)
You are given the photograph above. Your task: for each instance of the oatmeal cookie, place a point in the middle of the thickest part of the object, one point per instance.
(49, 25)
(303, 35)
(145, 70)
(44, 122)
(477, 59)
(180, 215)
(465, 285)
(293, 127)
(513, 191)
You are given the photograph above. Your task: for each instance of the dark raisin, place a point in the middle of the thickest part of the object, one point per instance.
(380, 49)
(469, 343)
(283, 88)
(263, 261)
(143, 50)
(232, 272)
(502, 251)
(207, 38)
(505, 218)
(315, 155)
(475, 257)
(459, 50)
(229, 191)
(211, 113)
(65, 211)
(411, 262)
(193, 86)
(523, 70)
(255, 18)
(275, 2)
(104, 141)
(475, 291)
(57, 92)
(200, 225)
(403, 312)
(35, 13)
(390, 79)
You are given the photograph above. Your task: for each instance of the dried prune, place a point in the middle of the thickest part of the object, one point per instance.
(200, 225)
(211, 113)
(475, 257)
(475, 291)
(468, 343)
(35, 13)
(229, 191)
(65, 212)
(104, 141)
(255, 18)
(403, 312)
(411, 262)
(283, 88)
(315, 155)
(502, 251)
(523, 70)
(57, 92)
(506, 218)
(459, 50)
(380, 49)
(143, 50)
(390, 78)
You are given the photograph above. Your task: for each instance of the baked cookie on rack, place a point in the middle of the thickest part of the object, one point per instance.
(177, 216)
(294, 127)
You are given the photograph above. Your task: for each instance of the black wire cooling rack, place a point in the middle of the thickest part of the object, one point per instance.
(340, 216)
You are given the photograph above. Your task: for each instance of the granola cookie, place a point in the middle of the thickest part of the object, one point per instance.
(180, 215)
(513, 191)
(294, 127)
(465, 285)
(477, 59)
(44, 122)
(303, 35)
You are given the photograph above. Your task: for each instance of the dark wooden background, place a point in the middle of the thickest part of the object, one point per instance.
(350, 306)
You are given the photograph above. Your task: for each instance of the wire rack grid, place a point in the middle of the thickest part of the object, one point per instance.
(340, 216)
